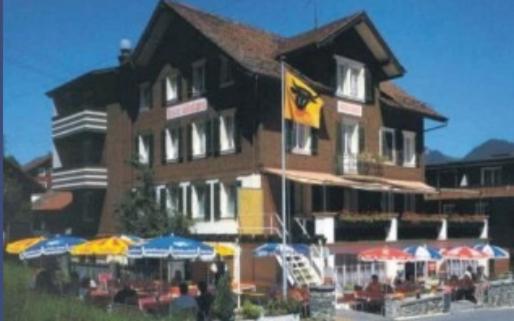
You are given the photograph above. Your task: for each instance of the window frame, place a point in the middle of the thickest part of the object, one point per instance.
(168, 130)
(384, 130)
(145, 105)
(225, 150)
(196, 214)
(491, 169)
(193, 128)
(201, 63)
(350, 64)
(296, 147)
(406, 136)
(226, 191)
(171, 74)
(227, 71)
(141, 140)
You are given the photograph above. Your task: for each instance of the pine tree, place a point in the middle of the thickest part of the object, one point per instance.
(224, 302)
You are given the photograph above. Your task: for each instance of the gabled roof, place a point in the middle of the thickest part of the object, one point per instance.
(38, 161)
(83, 79)
(394, 96)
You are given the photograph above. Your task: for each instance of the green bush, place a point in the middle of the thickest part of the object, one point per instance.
(23, 304)
(282, 307)
(224, 302)
(251, 311)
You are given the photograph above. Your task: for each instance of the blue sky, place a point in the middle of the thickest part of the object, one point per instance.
(459, 55)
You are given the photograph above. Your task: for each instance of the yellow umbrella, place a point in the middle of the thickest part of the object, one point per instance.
(223, 249)
(114, 245)
(16, 247)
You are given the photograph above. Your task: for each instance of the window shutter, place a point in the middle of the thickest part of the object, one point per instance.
(181, 149)
(289, 135)
(207, 190)
(215, 136)
(314, 140)
(163, 92)
(189, 205)
(189, 142)
(163, 146)
(217, 209)
(399, 147)
(162, 198)
(362, 139)
(237, 133)
(235, 187)
(150, 150)
(180, 199)
(209, 148)
(339, 147)
(369, 90)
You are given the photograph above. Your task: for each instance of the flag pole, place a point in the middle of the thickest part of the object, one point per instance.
(283, 172)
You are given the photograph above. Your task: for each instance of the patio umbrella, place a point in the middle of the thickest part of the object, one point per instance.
(423, 252)
(273, 248)
(56, 245)
(463, 253)
(16, 247)
(385, 253)
(105, 246)
(222, 249)
(492, 251)
(176, 247)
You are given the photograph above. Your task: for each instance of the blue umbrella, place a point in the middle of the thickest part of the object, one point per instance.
(273, 248)
(176, 247)
(59, 244)
(493, 251)
(424, 253)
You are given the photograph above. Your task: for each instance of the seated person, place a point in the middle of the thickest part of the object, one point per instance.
(126, 295)
(184, 302)
(374, 287)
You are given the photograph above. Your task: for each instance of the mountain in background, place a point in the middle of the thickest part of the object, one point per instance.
(490, 149)
(433, 156)
(493, 148)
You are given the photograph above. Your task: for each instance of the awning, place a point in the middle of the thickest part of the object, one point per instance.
(361, 182)
(52, 201)
(223, 249)
(327, 179)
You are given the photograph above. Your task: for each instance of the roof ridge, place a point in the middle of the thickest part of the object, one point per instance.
(225, 19)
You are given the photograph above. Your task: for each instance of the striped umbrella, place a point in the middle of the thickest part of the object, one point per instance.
(385, 253)
(57, 245)
(492, 251)
(16, 247)
(464, 253)
(423, 252)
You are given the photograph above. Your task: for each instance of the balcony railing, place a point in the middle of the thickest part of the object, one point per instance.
(351, 164)
(86, 120)
(86, 177)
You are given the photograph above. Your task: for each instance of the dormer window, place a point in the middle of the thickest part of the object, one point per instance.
(225, 72)
(145, 97)
(351, 79)
(198, 77)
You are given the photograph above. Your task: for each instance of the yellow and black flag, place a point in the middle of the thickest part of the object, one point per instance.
(301, 103)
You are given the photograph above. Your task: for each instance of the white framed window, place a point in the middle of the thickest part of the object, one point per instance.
(225, 72)
(349, 148)
(351, 79)
(387, 202)
(409, 203)
(172, 143)
(448, 208)
(200, 202)
(350, 200)
(491, 176)
(199, 139)
(388, 144)
(480, 207)
(301, 139)
(145, 97)
(409, 148)
(198, 77)
(228, 200)
(144, 149)
(171, 86)
(227, 134)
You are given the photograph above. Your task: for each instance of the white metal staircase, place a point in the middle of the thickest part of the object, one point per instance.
(300, 270)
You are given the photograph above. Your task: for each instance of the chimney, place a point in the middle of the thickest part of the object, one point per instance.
(125, 51)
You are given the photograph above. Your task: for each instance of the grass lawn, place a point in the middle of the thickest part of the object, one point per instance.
(23, 304)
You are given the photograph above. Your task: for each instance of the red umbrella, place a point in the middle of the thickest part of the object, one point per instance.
(384, 253)
(464, 253)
